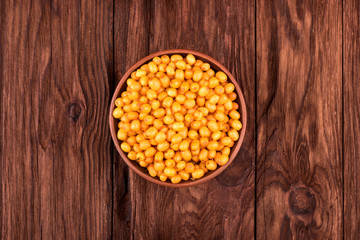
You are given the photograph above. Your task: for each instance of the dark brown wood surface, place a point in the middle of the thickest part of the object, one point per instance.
(351, 107)
(296, 176)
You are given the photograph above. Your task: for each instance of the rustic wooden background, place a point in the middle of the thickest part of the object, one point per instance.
(297, 175)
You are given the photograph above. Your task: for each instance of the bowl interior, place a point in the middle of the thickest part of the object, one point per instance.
(143, 171)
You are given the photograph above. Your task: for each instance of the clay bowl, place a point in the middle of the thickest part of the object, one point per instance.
(142, 171)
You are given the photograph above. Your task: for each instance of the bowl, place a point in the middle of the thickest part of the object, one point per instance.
(143, 171)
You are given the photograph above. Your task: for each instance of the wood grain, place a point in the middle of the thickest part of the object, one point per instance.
(351, 98)
(199, 212)
(55, 145)
(131, 35)
(26, 171)
(82, 67)
(299, 114)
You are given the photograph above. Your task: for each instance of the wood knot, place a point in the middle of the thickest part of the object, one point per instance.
(74, 111)
(302, 201)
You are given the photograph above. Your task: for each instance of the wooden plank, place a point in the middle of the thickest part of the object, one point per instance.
(225, 31)
(25, 171)
(74, 121)
(131, 33)
(299, 113)
(351, 14)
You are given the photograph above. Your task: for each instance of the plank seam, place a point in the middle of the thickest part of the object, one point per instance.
(256, 135)
(342, 118)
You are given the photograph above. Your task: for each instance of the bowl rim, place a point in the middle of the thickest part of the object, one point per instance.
(239, 142)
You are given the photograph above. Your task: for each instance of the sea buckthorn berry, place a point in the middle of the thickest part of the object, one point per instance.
(190, 95)
(159, 166)
(216, 135)
(170, 70)
(228, 104)
(163, 177)
(169, 154)
(151, 170)
(184, 175)
(157, 60)
(183, 132)
(165, 81)
(165, 59)
(214, 99)
(163, 146)
(180, 99)
(212, 154)
(204, 141)
(170, 163)
(223, 159)
(203, 155)
(151, 132)
(159, 156)
(184, 145)
(172, 92)
(160, 137)
(175, 83)
(221, 76)
(169, 171)
(213, 82)
(177, 157)
(234, 114)
(125, 147)
(226, 151)
(119, 102)
(200, 101)
(176, 179)
(118, 112)
(162, 67)
(198, 63)
(181, 64)
(203, 82)
(151, 94)
(177, 126)
(176, 138)
(205, 67)
(229, 88)
(121, 134)
(197, 75)
(233, 134)
(139, 73)
(154, 84)
(190, 59)
(186, 155)
(192, 134)
(195, 144)
(194, 87)
(203, 91)
(179, 117)
(153, 68)
(132, 155)
(188, 74)
(169, 119)
(213, 145)
(176, 57)
(226, 141)
(236, 124)
(179, 75)
(232, 96)
(150, 152)
(204, 131)
(180, 165)
(211, 165)
(189, 168)
(189, 103)
(219, 90)
(198, 173)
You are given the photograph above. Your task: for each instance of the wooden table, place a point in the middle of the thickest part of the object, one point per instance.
(296, 176)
